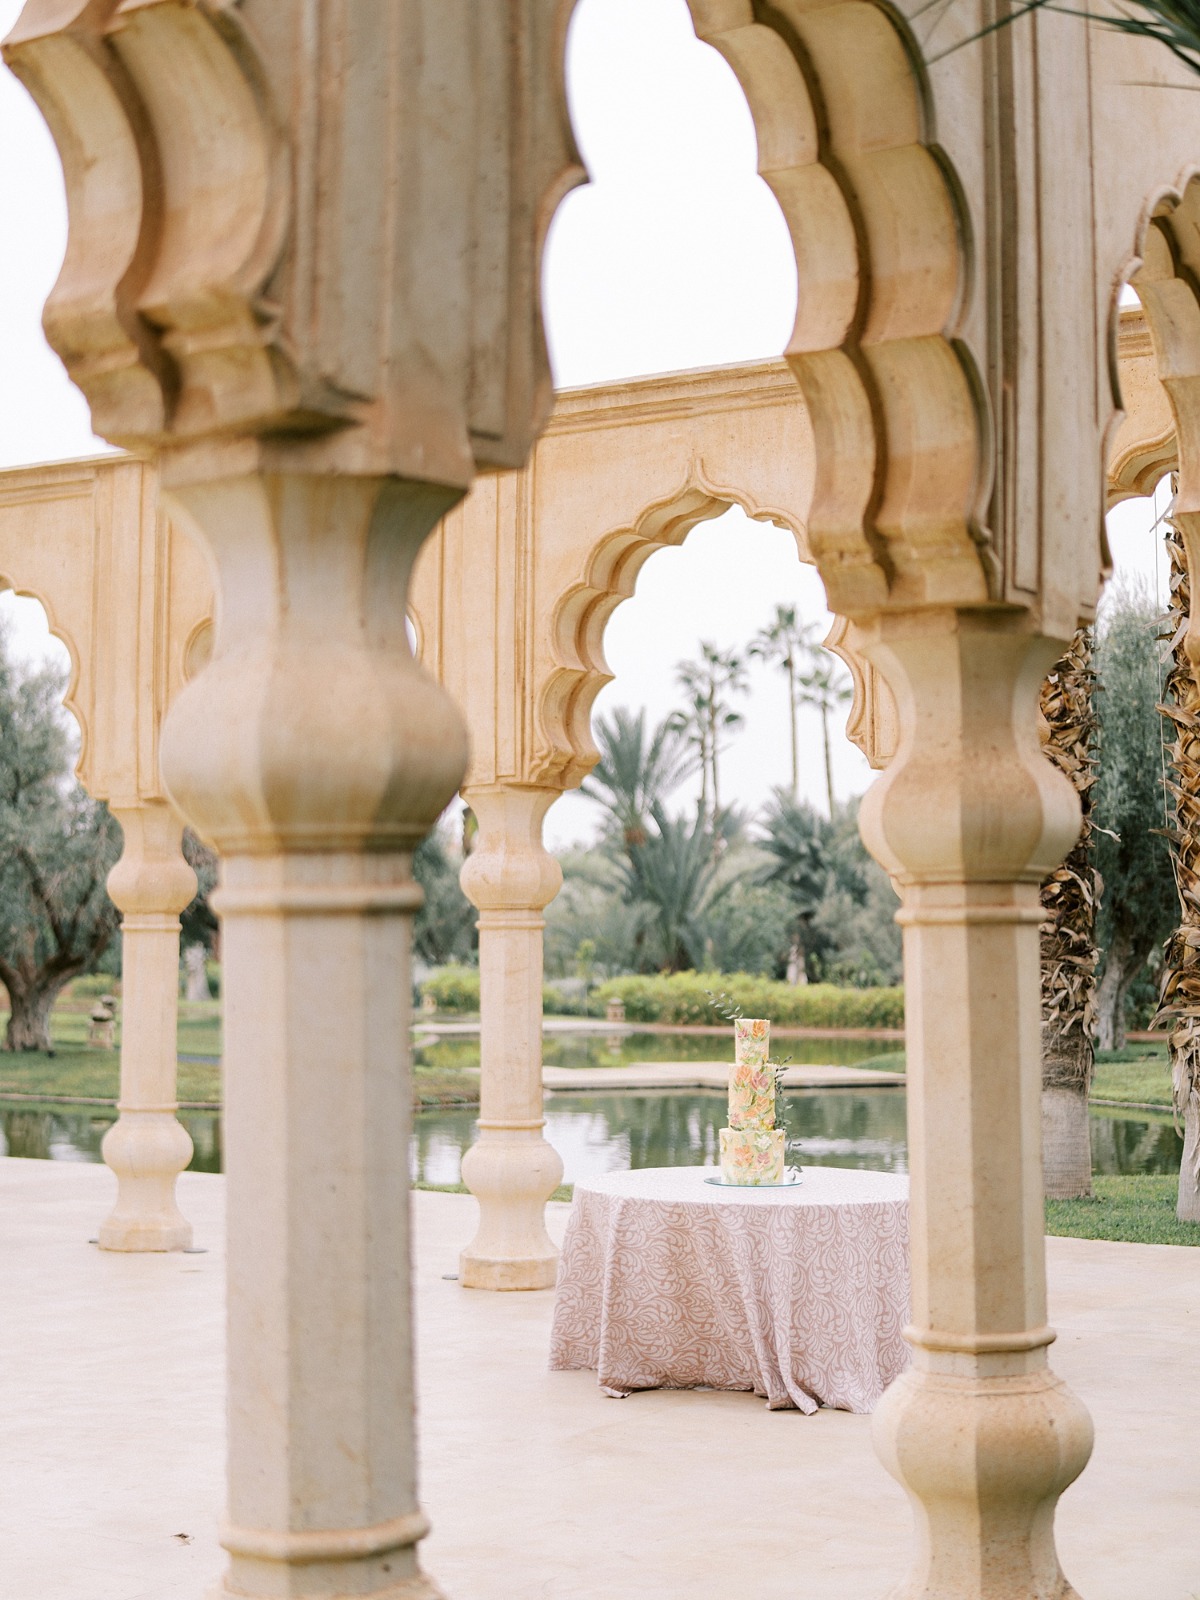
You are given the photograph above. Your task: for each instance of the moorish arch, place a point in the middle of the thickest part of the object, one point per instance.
(129, 597)
(1167, 281)
(510, 601)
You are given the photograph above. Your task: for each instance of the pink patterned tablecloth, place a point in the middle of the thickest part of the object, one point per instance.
(799, 1294)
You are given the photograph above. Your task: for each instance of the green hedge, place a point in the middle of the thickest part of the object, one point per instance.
(456, 990)
(682, 997)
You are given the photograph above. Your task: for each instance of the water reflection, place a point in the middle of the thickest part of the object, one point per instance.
(597, 1133)
(1144, 1142)
(72, 1133)
(450, 1051)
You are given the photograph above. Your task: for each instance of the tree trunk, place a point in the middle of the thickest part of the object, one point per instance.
(828, 761)
(1068, 934)
(791, 677)
(712, 735)
(197, 977)
(1066, 1131)
(796, 973)
(1121, 967)
(29, 1019)
(1188, 1207)
(1179, 996)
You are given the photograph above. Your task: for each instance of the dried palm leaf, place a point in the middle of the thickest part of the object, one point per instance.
(1179, 995)
(1069, 895)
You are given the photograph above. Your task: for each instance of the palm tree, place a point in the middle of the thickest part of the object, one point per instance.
(1069, 954)
(787, 641)
(800, 841)
(1179, 1001)
(675, 873)
(636, 771)
(691, 723)
(823, 686)
(708, 683)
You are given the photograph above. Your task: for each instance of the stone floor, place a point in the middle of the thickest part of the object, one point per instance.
(539, 1487)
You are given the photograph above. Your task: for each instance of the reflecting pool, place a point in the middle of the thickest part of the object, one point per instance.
(597, 1133)
(620, 1048)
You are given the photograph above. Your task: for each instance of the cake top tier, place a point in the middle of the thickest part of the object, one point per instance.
(751, 1041)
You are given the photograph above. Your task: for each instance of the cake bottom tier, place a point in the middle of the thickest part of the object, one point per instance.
(752, 1155)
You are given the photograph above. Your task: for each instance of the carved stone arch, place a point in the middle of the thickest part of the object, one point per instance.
(1167, 282)
(581, 612)
(840, 109)
(76, 696)
(1144, 445)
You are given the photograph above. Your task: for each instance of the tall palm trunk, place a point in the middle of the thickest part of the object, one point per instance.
(791, 678)
(828, 759)
(712, 755)
(1068, 942)
(1179, 998)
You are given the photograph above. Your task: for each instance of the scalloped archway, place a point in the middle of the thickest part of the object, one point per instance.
(841, 112)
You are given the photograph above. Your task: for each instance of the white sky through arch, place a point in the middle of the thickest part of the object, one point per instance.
(675, 256)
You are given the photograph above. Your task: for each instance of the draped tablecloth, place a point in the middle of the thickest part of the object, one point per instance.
(798, 1294)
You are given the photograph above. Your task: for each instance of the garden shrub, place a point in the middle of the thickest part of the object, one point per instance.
(682, 997)
(454, 989)
(558, 1002)
(91, 985)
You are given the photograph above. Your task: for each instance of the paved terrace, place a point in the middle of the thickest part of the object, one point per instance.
(538, 1486)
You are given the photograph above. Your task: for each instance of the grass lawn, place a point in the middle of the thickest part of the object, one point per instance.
(1139, 1210)
(565, 1191)
(95, 1075)
(889, 1061)
(1140, 1074)
(79, 1073)
(76, 1073)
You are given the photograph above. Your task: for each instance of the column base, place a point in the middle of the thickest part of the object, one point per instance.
(146, 1150)
(512, 1173)
(418, 1587)
(517, 1272)
(983, 1460)
(377, 1562)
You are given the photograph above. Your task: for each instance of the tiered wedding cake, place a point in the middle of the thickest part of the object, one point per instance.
(752, 1147)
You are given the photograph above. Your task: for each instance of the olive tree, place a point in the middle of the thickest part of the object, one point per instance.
(56, 849)
(1138, 904)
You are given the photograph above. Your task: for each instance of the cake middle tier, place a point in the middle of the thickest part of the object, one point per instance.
(751, 1096)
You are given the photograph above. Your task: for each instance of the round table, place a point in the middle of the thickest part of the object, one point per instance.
(798, 1294)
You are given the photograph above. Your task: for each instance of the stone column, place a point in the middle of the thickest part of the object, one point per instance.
(147, 1147)
(970, 818)
(511, 1170)
(314, 753)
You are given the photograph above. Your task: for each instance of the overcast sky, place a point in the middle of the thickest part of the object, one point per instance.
(675, 255)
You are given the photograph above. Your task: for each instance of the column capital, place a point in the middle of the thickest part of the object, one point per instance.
(969, 797)
(510, 870)
(152, 879)
(309, 731)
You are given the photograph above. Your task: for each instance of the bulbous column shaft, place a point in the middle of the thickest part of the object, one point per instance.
(147, 1147)
(969, 819)
(511, 1170)
(314, 753)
